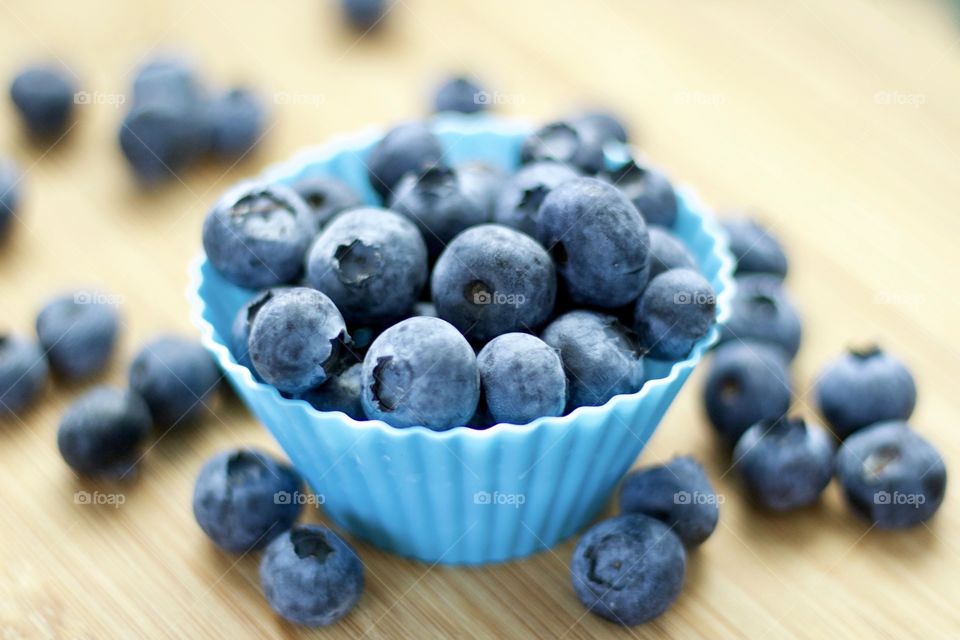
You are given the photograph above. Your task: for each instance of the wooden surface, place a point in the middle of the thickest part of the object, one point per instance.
(840, 121)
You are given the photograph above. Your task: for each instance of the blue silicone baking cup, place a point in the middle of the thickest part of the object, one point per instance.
(461, 496)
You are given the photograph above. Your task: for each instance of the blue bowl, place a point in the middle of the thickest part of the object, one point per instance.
(460, 496)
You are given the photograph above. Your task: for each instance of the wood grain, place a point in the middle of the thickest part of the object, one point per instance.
(779, 106)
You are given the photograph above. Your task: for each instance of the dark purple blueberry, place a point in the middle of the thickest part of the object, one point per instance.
(372, 263)
(675, 311)
(677, 493)
(891, 476)
(296, 339)
(746, 382)
(754, 248)
(78, 332)
(598, 354)
(649, 190)
(863, 387)
(44, 97)
(460, 94)
(256, 235)
(786, 463)
(244, 498)
(492, 280)
(176, 377)
(103, 432)
(522, 379)
(628, 569)
(598, 241)
(763, 311)
(407, 148)
(421, 371)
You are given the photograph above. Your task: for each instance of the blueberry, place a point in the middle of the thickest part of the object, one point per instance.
(257, 234)
(482, 183)
(746, 382)
(311, 576)
(865, 386)
(240, 329)
(492, 280)
(598, 354)
(161, 140)
(649, 190)
(564, 143)
(518, 204)
(668, 252)
(601, 125)
(244, 498)
(522, 379)
(78, 332)
(678, 494)
(9, 193)
(785, 463)
(340, 393)
(44, 97)
(23, 370)
(598, 241)
(891, 476)
(762, 311)
(438, 205)
(755, 249)
(371, 262)
(460, 94)
(325, 197)
(676, 310)
(236, 121)
(407, 148)
(421, 371)
(175, 376)
(364, 15)
(296, 339)
(103, 432)
(167, 79)
(628, 569)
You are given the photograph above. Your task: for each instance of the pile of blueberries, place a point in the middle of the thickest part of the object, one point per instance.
(104, 431)
(547, 290)
(245, 500)
(474, 298)
(172, 120)
(890, 475)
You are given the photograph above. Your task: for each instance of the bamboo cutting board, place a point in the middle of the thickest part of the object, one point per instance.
(840, 121)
